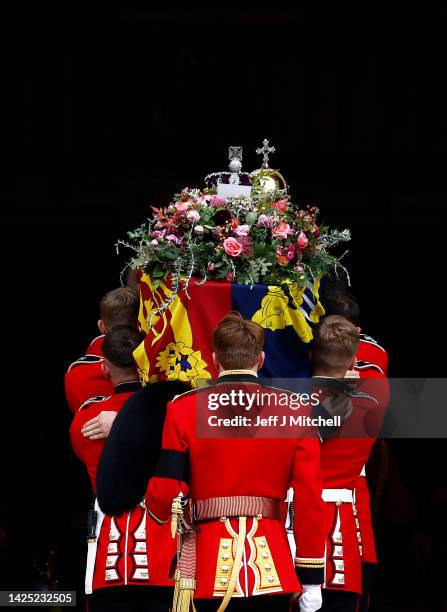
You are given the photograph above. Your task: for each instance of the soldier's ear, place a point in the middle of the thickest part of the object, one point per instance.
(105, 370)
(102, 326)
(216, 363)
(261, 360)
(359, 329)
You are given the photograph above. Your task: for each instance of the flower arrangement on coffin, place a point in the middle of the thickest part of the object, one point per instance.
(263, 238)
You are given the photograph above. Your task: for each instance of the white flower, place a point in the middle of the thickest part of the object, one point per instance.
(199, 229)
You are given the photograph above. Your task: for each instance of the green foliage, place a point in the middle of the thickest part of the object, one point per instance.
(262, 239)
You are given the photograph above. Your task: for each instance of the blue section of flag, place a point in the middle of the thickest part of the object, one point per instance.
(286, 355)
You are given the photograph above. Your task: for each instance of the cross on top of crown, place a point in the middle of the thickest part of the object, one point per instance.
(264, 151)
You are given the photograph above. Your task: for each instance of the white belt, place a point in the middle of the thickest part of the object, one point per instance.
(341, 496)
(91, 552)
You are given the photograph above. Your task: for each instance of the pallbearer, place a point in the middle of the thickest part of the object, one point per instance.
(237, 550)
(128, 555)
(85, 377)
(342, 459)
(371, 361)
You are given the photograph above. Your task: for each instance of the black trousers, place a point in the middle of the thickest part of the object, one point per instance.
(368, 575)
(131, 599)
(261, 603)
(341, 601)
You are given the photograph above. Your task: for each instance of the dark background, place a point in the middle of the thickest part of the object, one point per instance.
(108, 112)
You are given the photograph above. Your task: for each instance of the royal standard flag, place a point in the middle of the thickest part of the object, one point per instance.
(179, 327)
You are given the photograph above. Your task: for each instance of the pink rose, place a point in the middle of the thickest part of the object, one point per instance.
(282, 231)
(232, 247)
(199, 229)
(299, 269)
(181, 206)
(302, 240)
(242, 230)
(290, 254)
(193, 215)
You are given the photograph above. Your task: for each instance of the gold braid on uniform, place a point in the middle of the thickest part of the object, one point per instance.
(185, 574)
(242, 532)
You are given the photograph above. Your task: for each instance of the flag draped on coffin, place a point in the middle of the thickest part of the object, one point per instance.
(178, 340)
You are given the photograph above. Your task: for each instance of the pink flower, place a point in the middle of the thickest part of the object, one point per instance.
(302, 240)
(299, 268)
(158, 235)
(290, 254)
(280, 205)
(266, 221)
(230, 277)
(215, 201)
(172, 238)
(181, 206)
(204, 200)
(282, 231)
(211, 267)
(199, 229)
(154, 242)
(242, 230)
(232, 247)
(247, 245)
(193, 215)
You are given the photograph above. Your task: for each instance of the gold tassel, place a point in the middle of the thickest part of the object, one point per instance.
(176, 514)
(184, 595)
(176, 589)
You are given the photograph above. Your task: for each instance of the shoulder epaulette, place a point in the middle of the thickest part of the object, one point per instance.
(367, 365)
(86, 359)
(97, 338)
(94, 400)
(180, 395)
(370, 340)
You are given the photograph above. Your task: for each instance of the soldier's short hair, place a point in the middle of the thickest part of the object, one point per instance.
(335, 343)
(237, 342)
(119, 345)
(343, 304)
(120, 307)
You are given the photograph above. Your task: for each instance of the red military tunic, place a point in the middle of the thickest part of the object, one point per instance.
(342, 461)
(131, 549)
(260, 467)
(95, 346)
(370, 352)
(84, 380)
(372, 363)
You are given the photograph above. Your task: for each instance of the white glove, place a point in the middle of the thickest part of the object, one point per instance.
(311, 599)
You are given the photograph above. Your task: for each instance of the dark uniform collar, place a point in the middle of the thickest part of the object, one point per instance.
(127, 387)
(227, 376)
